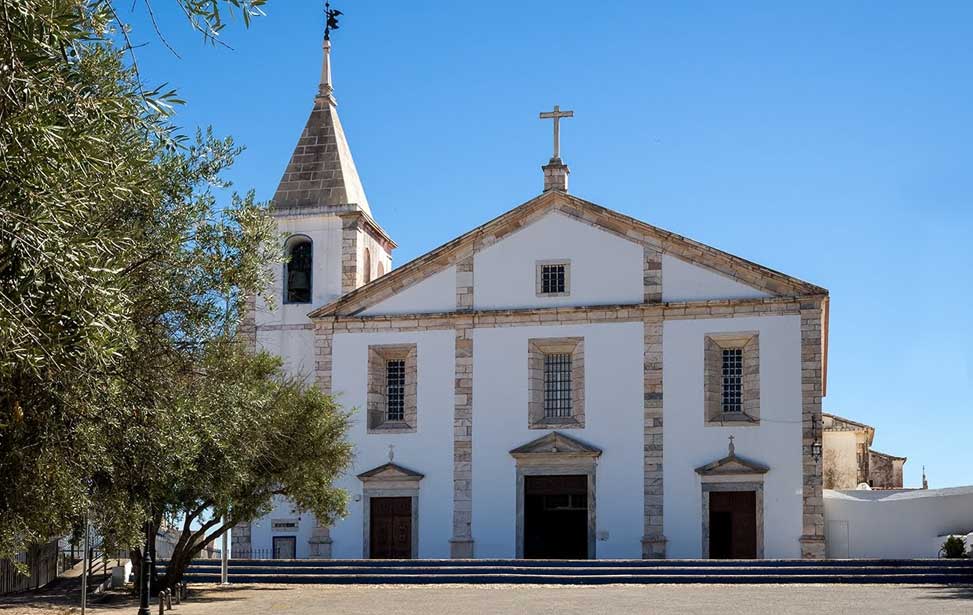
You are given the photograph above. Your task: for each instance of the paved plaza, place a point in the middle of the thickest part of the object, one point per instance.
(457, 599)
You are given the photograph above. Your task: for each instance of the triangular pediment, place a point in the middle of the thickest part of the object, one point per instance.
(732, 465)
(556, 443)
(390, 471)
(746, 272)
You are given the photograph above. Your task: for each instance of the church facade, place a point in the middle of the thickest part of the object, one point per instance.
(563, 381)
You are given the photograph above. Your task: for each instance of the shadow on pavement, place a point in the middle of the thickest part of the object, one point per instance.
(948, 592)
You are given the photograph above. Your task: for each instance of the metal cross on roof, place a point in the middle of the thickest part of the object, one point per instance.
(556, 115)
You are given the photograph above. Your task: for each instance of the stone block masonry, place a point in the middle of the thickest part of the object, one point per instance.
(812, 349)
(461, 543)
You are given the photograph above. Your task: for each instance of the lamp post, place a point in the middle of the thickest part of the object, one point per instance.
(224, 557)
(144, 571)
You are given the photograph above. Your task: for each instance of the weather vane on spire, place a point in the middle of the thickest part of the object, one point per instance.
(331, 17)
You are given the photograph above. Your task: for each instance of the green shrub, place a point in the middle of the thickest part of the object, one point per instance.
(953, 548)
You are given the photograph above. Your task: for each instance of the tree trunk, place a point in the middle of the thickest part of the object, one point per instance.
(185, 552)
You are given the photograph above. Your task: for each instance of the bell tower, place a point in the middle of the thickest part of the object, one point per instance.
(333, 243)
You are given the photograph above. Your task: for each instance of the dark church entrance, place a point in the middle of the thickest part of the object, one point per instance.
(733, 525)
(390, 531)
(556, 517)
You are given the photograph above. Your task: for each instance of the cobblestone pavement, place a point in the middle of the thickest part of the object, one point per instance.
(614, 599)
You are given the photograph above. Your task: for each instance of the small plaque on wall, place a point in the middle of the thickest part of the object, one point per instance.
(283, 525)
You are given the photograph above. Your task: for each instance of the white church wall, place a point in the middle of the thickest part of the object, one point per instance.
(613, 422)
(682, 281)
(428, 451)
(262, 533)
(895, 524)
(325, 235)
(775, 442)
(294, 346)
(437, 293)
(605, 269)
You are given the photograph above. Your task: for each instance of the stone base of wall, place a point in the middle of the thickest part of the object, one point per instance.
(813, 547)
(654, 547)
(320, 547)
(461, 548)
(240, 545)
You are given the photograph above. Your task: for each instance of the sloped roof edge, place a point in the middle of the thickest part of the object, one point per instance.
(510, 221)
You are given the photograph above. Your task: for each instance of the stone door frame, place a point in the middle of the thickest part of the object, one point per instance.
(556, 454)
(389, 481)
(725, 484)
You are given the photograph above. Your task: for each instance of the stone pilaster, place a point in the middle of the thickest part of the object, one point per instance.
(247, 331)
(240, 545)
(461, 543)
(320, 542)
(652, 272)
(349, 254)
(464, 284)
(653, 539)
(812, 539)
(323, 337)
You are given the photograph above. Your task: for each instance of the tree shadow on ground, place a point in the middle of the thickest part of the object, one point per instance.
(948, 592)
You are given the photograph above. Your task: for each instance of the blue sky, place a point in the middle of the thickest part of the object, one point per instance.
(832, 141)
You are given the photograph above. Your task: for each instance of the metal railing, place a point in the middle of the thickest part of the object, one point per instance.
(42, 564)
(236, 553)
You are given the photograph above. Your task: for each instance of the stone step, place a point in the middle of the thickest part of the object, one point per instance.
(607, 563)
(406, 570)
(575, 579)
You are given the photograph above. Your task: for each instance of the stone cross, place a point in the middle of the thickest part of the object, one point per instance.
(556, 115)
(732, 448)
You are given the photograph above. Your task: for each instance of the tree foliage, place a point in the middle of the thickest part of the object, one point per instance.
(121, 391)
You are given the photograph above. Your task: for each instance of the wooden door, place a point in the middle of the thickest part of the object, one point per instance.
(390, 531)
(285, 547)
(733, 525)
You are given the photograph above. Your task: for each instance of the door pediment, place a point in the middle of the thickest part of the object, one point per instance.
(390, 471)
(555, 444)
(731, 465)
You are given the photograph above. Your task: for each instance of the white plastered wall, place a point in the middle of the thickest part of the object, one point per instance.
(262, 533)
(279, 330)
(896, 524)
(613, 422)
(682, 281)
(776, 442)
(437, 293)
(605, 269)
(429, 450)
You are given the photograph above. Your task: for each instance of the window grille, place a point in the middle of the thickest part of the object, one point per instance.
(552, 279)
(557, 385)
(395, 390)
(732, 380)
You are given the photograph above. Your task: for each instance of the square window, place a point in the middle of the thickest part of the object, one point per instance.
(553, 278)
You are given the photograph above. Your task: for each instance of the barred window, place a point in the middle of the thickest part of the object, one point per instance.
(552, 279)
(395, 390)
(732, 380)
(557, 385)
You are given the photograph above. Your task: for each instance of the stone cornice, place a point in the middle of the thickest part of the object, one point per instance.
(674, 310)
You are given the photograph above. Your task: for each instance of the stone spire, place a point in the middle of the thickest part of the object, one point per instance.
(321, 174)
